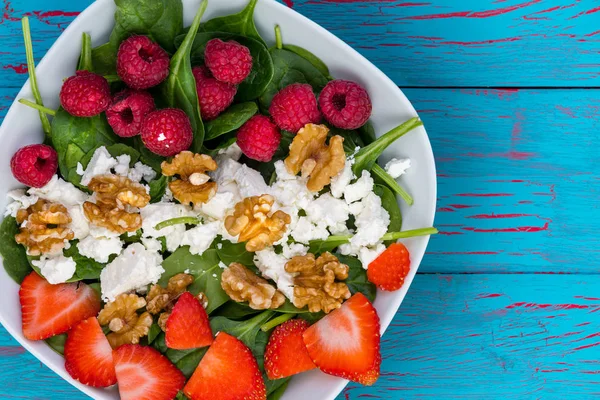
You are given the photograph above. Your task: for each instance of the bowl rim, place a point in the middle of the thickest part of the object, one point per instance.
(319, 31)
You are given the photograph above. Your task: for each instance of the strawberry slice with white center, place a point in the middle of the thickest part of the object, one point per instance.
(48, 310)
(145, 374)
(346, 342)
(88, 355)
(188, 326)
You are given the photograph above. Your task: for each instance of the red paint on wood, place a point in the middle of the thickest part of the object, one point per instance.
(523, 304)
(496, 216)
(511, 155)
(464, 252)
(445, 209)
(19, 69)
(587, 346)
(484, 194)
(517, 229)
(489, 295)
(289, 3)
(55, 13)
(11, 351)
(479, 42)
(461, 206)
(474, 14)
(588, 298)
(450, 233)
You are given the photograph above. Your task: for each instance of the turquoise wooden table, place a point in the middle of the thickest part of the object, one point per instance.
(507, 301)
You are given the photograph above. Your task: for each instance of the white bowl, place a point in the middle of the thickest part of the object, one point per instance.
(390, 108)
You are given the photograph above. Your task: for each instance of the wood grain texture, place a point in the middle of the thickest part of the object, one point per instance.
(455, 336)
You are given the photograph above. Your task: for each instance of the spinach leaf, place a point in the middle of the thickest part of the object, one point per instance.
(326, 245)
(382, 176)
(119, 149)
(232, 119)
(390, 204)
(57, 343)
(146, 156)
(357, 277)
(181, 396)
(153, 332)
(246, 331)
(158, 187)
(291, 68)
(159, 343)
(352, 139)
(86, 268)
(310, 57)
(73, 137)
(367, 133)
(104, 58)
(262, 65)
(190, 361)
(212, 147)
(205, 270)
(368, 155)
(133, 238)
(278, 390)
(85, 59)
(241, 23)
(179, 89)
(234, 310)
(14, 256)
(234, 252)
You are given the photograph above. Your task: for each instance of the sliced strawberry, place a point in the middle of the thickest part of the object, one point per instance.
(49, 310)
(346, 342)
(145, 374)
(228, 371)
(88, 355)
(389, 270)
(286, 354)
(187, 326)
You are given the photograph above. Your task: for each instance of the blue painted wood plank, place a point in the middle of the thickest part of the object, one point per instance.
(417, 43)
(455, 336)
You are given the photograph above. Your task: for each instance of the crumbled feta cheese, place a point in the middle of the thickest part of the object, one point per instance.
(272, 266)
(234, 152)
(359, 189)
(56, 269)
(219, 246)
(122, 167)
(368, 254)
(292, 193)
(397, 167)
(101, 248)
(250, 182)
(305, 231)
(141, 172)
(18, 200)
(100, 232)
(59, 191)
(100, 164)
(79, 170)
(201, 237)
(343, 179)
(134, 269)
(152, 244)
(282, 173)
(226, 171)
(153, 214)
(218, 205)
(79, 223)
(371, 223)
(168, 196)
(293, 249)
(329, 211)
(222, 265)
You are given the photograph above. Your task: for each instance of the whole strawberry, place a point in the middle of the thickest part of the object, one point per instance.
(34, 165)
(345, 104)
(141, 63)
(295, 106)
(214, 96)
(229, 62)
(128, 110)
(85, 94)
(389, 270)
(167, 132)
(259, 138)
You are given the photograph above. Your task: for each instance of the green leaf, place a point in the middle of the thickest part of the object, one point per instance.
(181, 396)
(119, 149)
(212, 147)
(382, 176)
(310, 57)
(205, 270)
(179, 89)
(190, 361)
(153, 332)
(326, 245)
(229, 252)
(232, 119)
(368, 155)
(357, 277)
(278, 390)
(390, 204)
(14, 256)
(158, 187)
(352, 139)
(291, 68)
(146, 156)
(234, 310)
(246, 331)
(86, 268)
(57, 343)
(104, 59)
(367, 133)
(159, 343)
(241, 23)
(85, 59)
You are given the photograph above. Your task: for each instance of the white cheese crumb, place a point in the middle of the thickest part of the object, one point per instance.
(305, 231)
(359, 189)
(218, 205)
(272, 266)
(59, 191)
(101, 164)
(79, 170)
(329, 211)
(122, 167)
(153, 214)
(371, 223)
(152, 244)
(234, 152)
(343, 179)
(397, 167)
(250, 182)
(222, 265)
(219, 246)
(101, 248)
(142, 170)
(57, 269)
(293, 249)
(18, 200)
(201, 237)
(79, 223)
(366, 255)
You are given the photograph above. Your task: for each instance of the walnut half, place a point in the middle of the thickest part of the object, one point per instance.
(310, 155)
(193, 185)
(241, 284)
(126, 325)
(252, 222)
(161, 300)
(45, 230)
(316, 284)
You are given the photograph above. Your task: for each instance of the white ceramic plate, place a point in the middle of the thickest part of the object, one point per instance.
(390, 108)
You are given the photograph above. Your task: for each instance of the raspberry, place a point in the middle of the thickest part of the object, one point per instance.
(167, 132)
(34, 165)
(128, 110)
(85, 94)
(345, 104)
(141, 63)
(229, 62)
(295, 106)
(214, 96)
(389, 270)
(259, 138)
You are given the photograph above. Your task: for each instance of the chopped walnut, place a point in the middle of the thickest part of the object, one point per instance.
(162, 320)
(193, 185)
(241, 284)
(252, 222)
(44, 228)
(126, 325)
(160, 299)
(310, 155)
(114, 194)
(315, 283)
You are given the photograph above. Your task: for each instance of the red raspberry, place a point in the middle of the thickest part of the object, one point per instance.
(128, 110)
(214, 96)
(259, 138)
(141, 63)
(34, 165)
(295, 106)
(229, 62)
(85, 94)
(345, 104)
(167, 132)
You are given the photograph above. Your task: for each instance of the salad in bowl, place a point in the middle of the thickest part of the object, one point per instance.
(206, 217)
